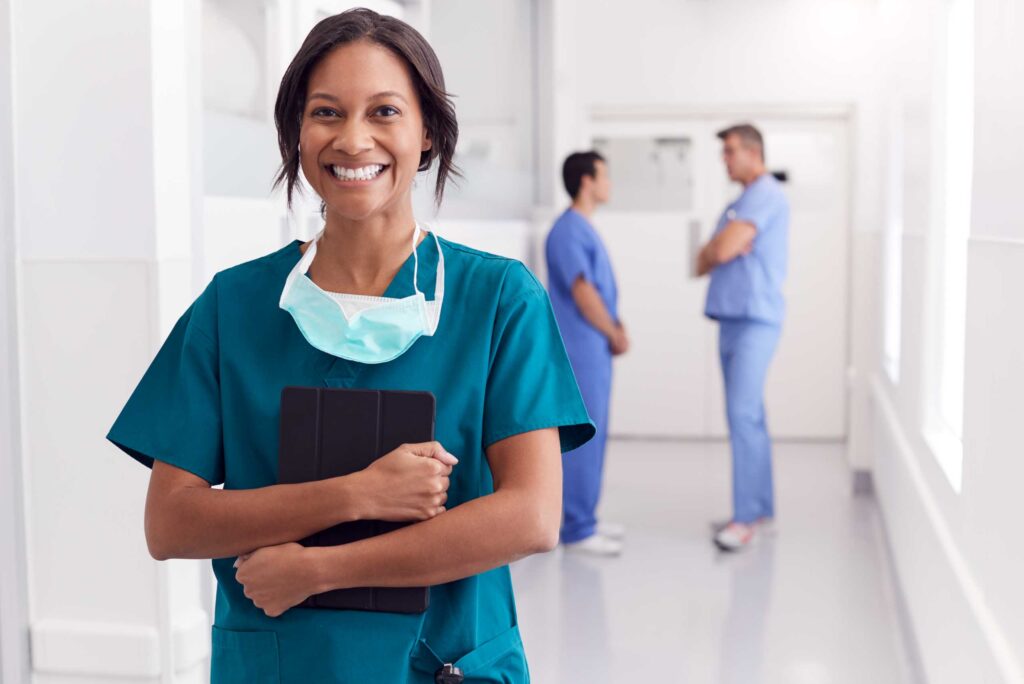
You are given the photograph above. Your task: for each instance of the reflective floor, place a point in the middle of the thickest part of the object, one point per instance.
(812, 604)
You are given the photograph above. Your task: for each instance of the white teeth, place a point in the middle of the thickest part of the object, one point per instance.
(362, 173)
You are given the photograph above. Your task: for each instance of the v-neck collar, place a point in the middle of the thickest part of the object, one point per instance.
(401, 284)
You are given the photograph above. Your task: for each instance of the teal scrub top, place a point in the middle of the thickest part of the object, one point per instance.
(209, 404)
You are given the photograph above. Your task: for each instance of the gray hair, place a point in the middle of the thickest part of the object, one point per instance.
(748, 135)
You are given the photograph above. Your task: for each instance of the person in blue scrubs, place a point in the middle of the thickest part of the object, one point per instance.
(361, 110)
(746, 258)
(585, 300)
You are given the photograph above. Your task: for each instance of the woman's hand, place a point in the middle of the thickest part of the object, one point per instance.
(276, 578)
(408, 484)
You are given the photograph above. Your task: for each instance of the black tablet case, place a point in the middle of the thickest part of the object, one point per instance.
(331, 432)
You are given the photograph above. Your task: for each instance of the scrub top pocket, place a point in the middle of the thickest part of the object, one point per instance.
(498, 661)
(244, 657)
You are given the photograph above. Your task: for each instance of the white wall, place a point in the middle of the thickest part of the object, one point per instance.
(105, 199)
(489, 70)
(735, 53)
(955, 553)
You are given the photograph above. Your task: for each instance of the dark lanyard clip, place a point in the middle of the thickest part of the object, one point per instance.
(448, 674)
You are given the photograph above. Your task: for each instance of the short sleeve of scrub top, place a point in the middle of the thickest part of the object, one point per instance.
(758, 205)
(569, 252)
(174, 413)
(530, 384)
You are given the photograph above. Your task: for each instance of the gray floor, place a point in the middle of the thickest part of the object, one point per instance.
(812, 604)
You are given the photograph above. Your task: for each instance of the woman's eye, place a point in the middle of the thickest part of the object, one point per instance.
(387, 111)
(324, 111)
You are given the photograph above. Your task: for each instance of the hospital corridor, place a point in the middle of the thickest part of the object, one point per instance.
(509, 341)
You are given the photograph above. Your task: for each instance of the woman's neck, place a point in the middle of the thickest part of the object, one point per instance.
(362, 256)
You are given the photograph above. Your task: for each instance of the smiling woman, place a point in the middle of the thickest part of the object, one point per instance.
(361, 110)
(416, 108)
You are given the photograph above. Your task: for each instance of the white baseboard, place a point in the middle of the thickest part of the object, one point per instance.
(101, 649)
(76, 647)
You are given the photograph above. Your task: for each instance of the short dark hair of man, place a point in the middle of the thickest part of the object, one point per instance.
(576, 166)
(748, 135)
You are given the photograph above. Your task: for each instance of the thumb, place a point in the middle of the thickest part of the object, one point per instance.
(445, 457)
(434, 450)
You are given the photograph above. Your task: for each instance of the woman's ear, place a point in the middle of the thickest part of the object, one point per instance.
(427, 142)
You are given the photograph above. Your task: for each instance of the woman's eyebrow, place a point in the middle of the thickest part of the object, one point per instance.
(324, 96)
(389, 93)
(375, 96)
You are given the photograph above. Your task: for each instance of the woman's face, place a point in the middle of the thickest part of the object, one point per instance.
(362, 131)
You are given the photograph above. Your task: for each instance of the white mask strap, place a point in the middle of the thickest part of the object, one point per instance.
(439, 280)
(415, 258)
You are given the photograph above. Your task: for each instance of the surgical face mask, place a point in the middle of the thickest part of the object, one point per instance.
(361, 328)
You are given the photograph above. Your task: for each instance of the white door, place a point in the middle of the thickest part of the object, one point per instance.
(648, 227)
(668, 185)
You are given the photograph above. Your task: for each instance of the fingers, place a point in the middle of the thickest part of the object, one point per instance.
(433, 450)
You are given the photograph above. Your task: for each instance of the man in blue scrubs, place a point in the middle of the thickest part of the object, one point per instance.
(584, 298)
(746, 258)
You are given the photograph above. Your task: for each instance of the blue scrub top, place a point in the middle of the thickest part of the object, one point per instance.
(209, 404)
(750, 286)
(574, 249)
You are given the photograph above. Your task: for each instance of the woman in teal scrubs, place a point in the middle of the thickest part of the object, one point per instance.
(361, 110)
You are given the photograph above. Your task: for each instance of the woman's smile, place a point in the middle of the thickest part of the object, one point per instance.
(349, 175)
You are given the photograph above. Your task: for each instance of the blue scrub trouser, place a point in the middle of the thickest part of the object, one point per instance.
(582, 468)
(746, 349)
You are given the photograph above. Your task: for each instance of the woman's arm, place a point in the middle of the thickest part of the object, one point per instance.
(520, 518)
(186, 518)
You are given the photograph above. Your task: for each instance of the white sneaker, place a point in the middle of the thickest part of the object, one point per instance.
(596, 545)
(734, 536)
(611, 530)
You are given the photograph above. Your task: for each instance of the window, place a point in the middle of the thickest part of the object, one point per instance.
(893, 247)
(945, 430)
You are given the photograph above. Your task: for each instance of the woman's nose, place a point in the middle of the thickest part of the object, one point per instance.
(353, 138)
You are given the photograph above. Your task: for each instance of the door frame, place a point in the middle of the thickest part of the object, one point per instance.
(14, 640)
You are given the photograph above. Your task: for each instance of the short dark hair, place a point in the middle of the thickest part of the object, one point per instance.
(747, 133)
(576, 166)
(424, 68)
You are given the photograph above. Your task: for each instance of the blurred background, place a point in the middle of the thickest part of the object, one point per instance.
(137, 151)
